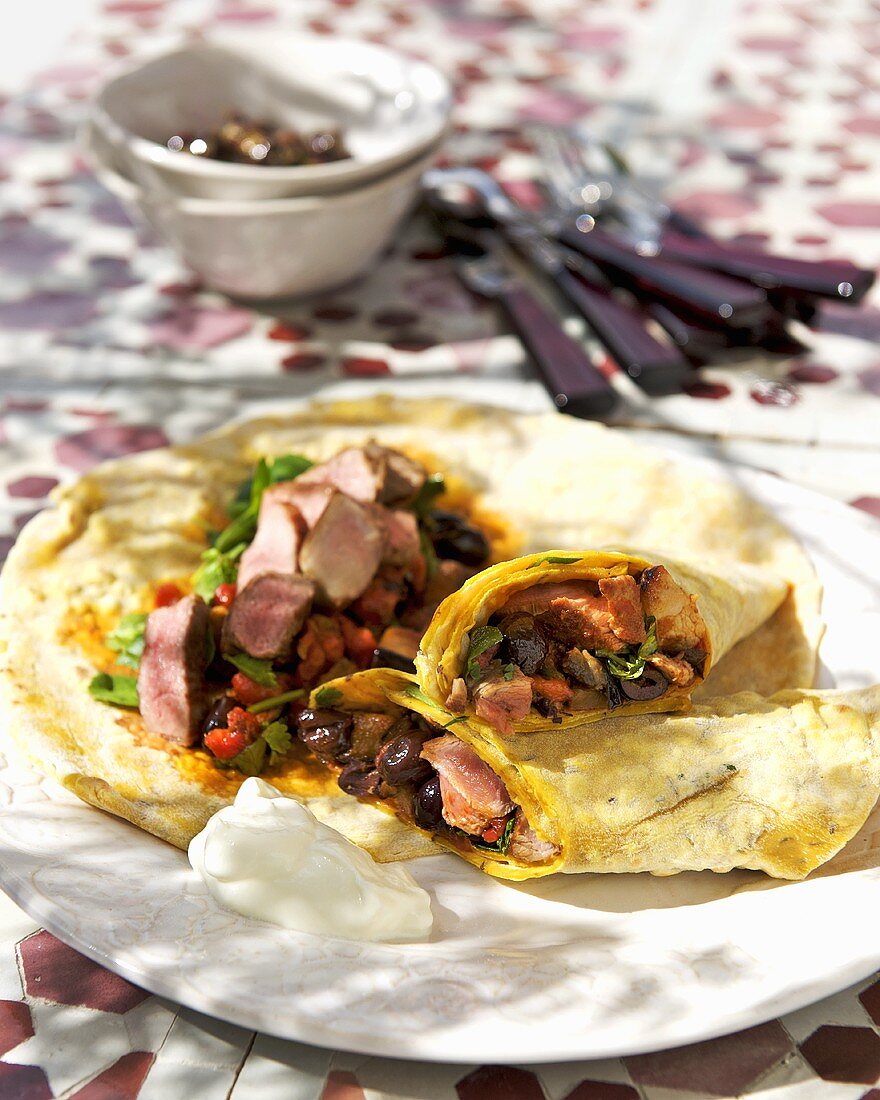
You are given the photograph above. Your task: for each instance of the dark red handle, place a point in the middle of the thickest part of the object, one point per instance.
(704, 293)
(572, 380)
(656, 367)
(838, 280)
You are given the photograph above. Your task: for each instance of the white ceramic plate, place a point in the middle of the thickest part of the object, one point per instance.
(568, 967)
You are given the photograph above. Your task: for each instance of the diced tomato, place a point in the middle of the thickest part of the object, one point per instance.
(494, 830)
(243, 722)
(225, 594)
(225, 743)
(319, 647)
(248, 691)
(557, 691)
(418, 573)
(167, 594)
(359, 642)
(377, 604)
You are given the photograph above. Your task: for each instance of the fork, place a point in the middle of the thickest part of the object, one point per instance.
(590, 176)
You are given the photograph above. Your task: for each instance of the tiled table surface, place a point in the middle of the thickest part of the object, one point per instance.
(106, 346)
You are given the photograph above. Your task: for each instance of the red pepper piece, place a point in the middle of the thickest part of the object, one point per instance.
(225, 743)
(167, 594)
(224, 594)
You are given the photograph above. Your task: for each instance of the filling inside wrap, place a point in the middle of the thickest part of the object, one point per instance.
(426, 776)
(558, 648)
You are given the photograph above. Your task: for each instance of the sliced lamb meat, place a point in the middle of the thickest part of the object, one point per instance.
(501, 702)
(403, 477)
(310, 500)
(171, 678)
(275, 548)
(525, 845)
(343, 550)
(585, 622)
(456, 700)
(625, 608)
(585, 668)
(539, 597)
(472, 793)
(679, 623)
(676, 669)
(368, 474)
(401, 533)
(266, 617)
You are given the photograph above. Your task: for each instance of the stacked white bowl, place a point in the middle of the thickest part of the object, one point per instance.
(264, 231)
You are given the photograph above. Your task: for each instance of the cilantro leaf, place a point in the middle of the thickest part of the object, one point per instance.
(217, 568)
(261, 672)
(328, 697)
(508, 671)
(251, 760)
(118, 691)
(245, 507)
(127, 639)
(482, 638)
(434, 487)
(276, 701)
(629, 664)
(278, 739)
(289, 467)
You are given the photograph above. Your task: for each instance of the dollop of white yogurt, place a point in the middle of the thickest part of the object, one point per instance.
(267, 856)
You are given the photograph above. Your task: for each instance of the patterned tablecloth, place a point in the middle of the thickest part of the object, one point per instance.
(107, 346)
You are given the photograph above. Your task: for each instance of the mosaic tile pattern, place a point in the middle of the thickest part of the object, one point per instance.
(108, 346)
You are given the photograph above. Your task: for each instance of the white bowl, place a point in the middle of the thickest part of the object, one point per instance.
(277, 248)
(389, 107)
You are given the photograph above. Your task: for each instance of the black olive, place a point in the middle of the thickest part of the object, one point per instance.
(650, 685)
(326, 732)
(697, 658)
(399, 761)
(388, 658)
(524, 642)
(453, 538)
(219, 712)
(359, 779)
(428, 805)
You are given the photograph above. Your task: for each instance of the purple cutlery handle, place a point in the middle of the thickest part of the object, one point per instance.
(572, 380)
(658, 368)
(707, 294)
(838, 280)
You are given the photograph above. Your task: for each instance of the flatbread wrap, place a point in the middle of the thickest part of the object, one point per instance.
(777, 785)
(566, 637)
(113, 538)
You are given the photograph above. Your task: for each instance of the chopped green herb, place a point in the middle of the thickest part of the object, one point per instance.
(455, 721)
(127, 639)
(731, 767)
(251, 760)
(503, 842)
(276, 701)
(508, 671)
(288, 467)
(630, 663)
(328, 697)
(482, 638)
(415, 693)
(245, 506)
(434, 487)
(428, 552)
(261, 672)
(217, 568)
(556, 559)
(277, 737)
(118, 691)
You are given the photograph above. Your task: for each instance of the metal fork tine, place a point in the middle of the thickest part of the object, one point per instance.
(560, 176)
